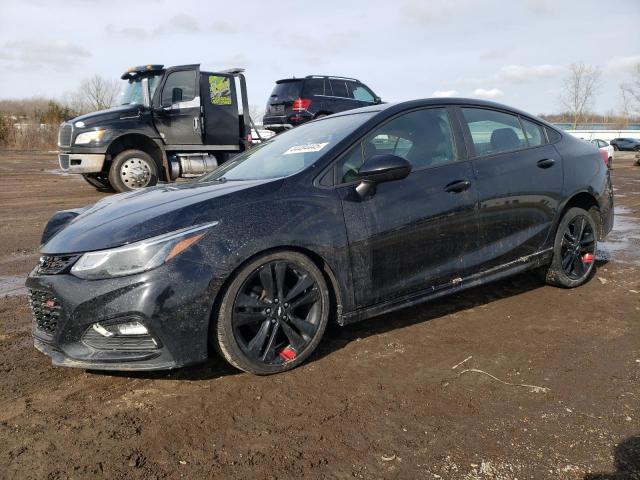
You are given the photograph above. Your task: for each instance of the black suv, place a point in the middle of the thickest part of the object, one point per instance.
(632, 144)
(298, 100)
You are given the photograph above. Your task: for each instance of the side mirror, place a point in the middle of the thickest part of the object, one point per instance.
(377, 100)
(176, 95)
(379, 169)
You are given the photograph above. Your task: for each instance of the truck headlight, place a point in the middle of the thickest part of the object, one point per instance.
(139, 256)
(94, 136)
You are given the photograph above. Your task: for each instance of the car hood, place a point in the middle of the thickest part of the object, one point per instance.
(133, 216)
(101, 116)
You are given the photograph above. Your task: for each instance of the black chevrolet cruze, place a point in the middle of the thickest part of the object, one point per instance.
(341, 219)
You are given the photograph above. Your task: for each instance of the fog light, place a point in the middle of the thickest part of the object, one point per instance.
(128, 328)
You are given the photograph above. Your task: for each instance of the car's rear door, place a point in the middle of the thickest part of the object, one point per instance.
(519, 181)
(177, 107)
(419, 232)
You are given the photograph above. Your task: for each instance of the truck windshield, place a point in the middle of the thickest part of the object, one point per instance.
(290, 152)
(132, 92)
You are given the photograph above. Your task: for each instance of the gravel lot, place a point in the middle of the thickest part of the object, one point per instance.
(381, 399)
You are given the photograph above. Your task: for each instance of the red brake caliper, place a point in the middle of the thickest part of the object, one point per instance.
(587, 258)
(287, 354)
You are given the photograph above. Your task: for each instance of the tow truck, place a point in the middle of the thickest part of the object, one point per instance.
(171, 122)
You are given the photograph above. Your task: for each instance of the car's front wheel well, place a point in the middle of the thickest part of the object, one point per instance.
(335, 296)
(137, 142)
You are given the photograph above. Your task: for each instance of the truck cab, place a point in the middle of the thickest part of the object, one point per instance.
(171, 122)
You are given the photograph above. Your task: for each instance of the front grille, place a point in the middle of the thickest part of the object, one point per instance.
(63, 160)
(46, 310)
(276, 109)
(130, 343)
(53, 264)
(64, 135)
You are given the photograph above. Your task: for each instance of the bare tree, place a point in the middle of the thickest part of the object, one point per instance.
(95, 93)
(580, 88)
(631, 93)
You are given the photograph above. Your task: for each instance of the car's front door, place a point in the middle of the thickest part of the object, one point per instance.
(519, 181)
(177, 108)
(415, 233)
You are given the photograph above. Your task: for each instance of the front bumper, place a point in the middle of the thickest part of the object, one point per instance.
(81, 162)
(174, 302)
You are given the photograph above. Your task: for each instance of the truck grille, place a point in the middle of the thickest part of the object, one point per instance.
(63, 160)
(64, 135)
(53, 264)
(46, 310)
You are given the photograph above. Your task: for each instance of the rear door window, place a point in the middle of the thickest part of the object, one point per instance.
(339, 88)
(313, 86)
(535, 135)
(494, 132)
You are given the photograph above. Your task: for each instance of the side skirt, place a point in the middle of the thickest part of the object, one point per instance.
(456, 285)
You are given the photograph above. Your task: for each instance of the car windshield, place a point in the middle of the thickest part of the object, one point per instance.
(290, 152)
(132, 92)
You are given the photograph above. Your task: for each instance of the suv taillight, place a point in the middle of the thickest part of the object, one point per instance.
(301, 104)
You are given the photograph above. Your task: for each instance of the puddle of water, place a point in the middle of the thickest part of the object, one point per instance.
(11, 286)
(622, 242)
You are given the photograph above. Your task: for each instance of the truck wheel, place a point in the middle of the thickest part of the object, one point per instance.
(98, 180)
(133, 169)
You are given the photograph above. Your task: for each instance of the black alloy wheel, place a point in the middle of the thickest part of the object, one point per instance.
(273, 314)
(578, 248)
(574, 249)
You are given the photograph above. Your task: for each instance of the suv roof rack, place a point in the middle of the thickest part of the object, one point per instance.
(332, 76)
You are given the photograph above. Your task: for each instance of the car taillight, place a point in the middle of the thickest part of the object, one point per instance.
(301, 104)
(605, 156)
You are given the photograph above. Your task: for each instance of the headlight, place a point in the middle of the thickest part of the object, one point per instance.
(88, 137)
(138, 257)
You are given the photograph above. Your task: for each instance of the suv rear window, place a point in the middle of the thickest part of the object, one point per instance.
(286, 91)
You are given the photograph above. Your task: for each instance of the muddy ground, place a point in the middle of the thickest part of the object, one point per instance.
(381, 399)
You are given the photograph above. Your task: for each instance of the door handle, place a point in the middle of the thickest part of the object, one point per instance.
(195, 124)
(457, 186)
(546, 162)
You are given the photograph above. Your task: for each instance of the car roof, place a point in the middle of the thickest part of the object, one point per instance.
(427, 102)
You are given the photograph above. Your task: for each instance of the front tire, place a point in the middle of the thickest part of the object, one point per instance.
(133, 169)
(574, 250)
(273, 314)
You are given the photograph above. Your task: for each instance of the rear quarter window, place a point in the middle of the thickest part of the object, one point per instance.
(552, 135)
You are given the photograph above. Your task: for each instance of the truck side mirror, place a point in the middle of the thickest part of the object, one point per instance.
(176, 95)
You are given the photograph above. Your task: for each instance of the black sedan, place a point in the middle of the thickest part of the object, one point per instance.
(341, 219)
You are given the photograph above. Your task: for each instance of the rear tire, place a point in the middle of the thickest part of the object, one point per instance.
(273, 314)
(98, 180)
(574, 249)
(132, 170)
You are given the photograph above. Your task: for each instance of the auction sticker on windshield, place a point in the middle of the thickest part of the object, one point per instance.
(310, 147)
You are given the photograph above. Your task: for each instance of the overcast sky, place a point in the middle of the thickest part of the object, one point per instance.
(515, 52)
